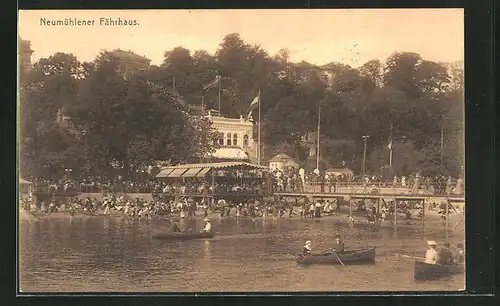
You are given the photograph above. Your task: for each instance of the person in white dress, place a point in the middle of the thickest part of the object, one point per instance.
(208, 226)
(431, 256)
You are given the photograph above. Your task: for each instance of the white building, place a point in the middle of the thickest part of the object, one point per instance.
(233, 133)
(282, 162)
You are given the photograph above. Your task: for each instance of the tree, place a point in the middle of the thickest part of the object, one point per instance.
(400, 72)
(179, 64)
(46, 148)
(373, 70)
(336, 152)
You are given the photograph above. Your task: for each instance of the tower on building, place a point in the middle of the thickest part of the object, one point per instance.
(24, 53)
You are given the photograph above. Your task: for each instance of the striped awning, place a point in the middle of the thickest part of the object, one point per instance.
(177, 173)
(165, 172)
(184, 170)
(203, 172)
(191, 172)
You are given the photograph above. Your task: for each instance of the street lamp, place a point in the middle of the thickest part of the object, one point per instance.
(84, 134)
(363, 168)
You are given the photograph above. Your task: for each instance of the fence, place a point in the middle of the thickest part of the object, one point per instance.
(369, 188)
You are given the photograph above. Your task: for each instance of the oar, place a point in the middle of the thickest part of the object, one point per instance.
(338, 257)
(413, 257)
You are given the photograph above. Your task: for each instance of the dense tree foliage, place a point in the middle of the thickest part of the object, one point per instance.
(129, 125)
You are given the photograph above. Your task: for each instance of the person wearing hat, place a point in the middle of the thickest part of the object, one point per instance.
(459, 257)
(306, 250)
(339, 245)
(208, 226)
(445, 255)
(431, 255)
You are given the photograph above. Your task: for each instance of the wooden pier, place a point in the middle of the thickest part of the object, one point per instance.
(396, 197)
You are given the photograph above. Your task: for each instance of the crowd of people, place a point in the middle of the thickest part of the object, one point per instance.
(279, 181)
(98, 185)
(299, 180)
(135, 208)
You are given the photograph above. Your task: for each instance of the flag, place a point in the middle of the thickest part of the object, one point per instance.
(390, 145)
(253, 105)
(212, 84)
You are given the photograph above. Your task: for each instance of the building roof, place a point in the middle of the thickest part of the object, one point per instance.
(227, 152)
(202, 169)
(129, 54)
(282, 157)
(291, 163)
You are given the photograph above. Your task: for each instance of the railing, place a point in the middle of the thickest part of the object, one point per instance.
(368, 188)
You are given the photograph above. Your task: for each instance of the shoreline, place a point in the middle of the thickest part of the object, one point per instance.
(433, 221)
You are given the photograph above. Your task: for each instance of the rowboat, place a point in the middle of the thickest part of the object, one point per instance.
(182, 235)
(425, 271)
(358, 256)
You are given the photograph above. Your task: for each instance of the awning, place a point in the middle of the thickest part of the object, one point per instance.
(21, 181)
(165, 172)
(203, 172)
(191, 172)
(177, 173)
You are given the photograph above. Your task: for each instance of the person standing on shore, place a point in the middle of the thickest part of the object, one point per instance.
(312, 207)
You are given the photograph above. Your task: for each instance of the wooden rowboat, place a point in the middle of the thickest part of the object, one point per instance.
(359, 256)
(424, 271)
(182, 235)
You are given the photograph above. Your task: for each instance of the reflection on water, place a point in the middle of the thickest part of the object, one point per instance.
(107, 254)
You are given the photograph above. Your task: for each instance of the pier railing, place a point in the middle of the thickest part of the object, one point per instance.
(369, 188)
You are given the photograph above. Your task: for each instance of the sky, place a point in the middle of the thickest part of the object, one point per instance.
(319, 36)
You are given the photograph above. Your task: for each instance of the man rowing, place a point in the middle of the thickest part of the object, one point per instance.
(431, 256)
(459, 257)
(445, 256)
(338, 246)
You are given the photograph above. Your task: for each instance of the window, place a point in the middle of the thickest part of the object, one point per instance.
(245, 141)
(228, 139)
(221, 139)
(235, 139)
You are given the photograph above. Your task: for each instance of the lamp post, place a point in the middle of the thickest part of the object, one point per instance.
(84, 134)
(363, 167)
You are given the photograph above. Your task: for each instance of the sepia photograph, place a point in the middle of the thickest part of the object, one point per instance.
(290, 150)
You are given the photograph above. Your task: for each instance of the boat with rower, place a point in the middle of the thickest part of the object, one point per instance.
(182, 235)
(356, 256)
(424, 271)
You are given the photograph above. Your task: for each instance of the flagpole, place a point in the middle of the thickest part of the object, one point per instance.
(258, 157)
(202, 103)
(319, 126)
(390, 148)
(442, 139)
(220, 81)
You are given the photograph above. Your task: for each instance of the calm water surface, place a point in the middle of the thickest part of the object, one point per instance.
(105, 254)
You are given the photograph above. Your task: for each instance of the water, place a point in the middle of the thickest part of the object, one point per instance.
(118, 255)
